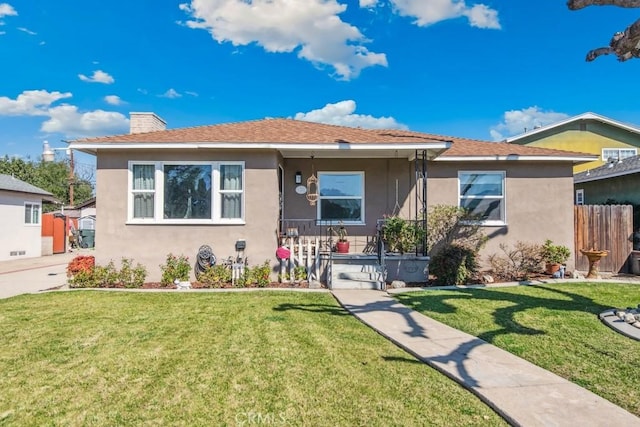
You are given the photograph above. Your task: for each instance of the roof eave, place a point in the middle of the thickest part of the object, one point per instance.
(579, 180)
(319, 149)
(517, 157)
(584, 116)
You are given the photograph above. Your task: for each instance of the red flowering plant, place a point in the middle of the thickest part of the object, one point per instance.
(81, 263)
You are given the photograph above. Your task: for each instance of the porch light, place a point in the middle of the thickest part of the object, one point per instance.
(298, 177)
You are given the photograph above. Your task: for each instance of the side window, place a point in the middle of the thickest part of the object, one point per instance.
(32, 213)
(482, 193)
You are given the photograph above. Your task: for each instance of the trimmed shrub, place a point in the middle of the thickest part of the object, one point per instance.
(454, 265)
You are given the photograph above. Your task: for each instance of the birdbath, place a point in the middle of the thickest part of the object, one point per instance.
(594, 256)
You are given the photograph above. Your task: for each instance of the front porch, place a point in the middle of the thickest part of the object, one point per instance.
(310, 249)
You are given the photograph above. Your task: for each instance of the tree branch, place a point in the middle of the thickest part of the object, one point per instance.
(581, 4)
(625, 45)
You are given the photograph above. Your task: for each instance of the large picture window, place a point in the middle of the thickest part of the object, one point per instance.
(482, 193)
(186, 192)
(32, 213)
(341, 196)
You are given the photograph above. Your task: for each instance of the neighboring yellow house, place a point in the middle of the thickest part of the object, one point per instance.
(587, 133)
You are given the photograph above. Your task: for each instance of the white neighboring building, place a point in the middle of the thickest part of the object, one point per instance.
(20, 218)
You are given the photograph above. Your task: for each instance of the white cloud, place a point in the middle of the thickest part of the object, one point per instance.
(368, 3)
(433, 11)
(113, 100)
(30, 103)
(66, 119)
(28, 31)
(519, 121)
(342, 113)
(7, 10)
(98, 76)
(2, 33)
(171, 94)
(194, 94)
(313, 28)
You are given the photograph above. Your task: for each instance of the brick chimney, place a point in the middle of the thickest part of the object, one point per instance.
(145, 122)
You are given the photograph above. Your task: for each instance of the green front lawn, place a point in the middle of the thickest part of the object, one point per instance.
(284, 358)
(555, 327)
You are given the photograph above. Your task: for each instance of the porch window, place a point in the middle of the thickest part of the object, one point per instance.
(341, 196)
(482, 193)
(186, 192)
(32, 213)
(580, 197)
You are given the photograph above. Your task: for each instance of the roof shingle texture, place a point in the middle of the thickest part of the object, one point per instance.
(627, 166)
(9, 183)
(288, 131)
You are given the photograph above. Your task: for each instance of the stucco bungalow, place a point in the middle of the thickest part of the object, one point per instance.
(172, 190)
(21, 214)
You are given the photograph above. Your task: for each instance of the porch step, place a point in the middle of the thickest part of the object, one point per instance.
(356, 274)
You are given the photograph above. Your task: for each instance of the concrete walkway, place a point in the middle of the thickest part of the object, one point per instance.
(30, 275)
(521, 392)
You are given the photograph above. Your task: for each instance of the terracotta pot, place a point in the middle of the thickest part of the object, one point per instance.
(342, 247)
(552, 268)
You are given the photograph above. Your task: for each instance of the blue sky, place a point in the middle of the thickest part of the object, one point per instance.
(484, 70)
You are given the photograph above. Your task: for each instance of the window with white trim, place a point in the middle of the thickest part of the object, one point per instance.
(482, 193)
(32, 213)
(341, 197)
(580, 197)
(610, 154)
(186, 192)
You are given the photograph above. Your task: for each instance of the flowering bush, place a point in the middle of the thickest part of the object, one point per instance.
(175, 267)
(81, 263)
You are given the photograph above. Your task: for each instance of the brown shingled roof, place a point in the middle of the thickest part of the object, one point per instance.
(473, 148)
(288, 131)
(270, 131)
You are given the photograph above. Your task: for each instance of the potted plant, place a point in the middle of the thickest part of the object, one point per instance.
(342, 245)
(554, 256)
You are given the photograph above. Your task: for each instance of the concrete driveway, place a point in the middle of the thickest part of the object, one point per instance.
(30, 275)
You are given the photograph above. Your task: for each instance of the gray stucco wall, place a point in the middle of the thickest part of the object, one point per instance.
(539, 201)
(539, 204)
(149, 244)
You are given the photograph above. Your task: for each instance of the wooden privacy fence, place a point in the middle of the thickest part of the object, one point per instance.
(603, 227)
